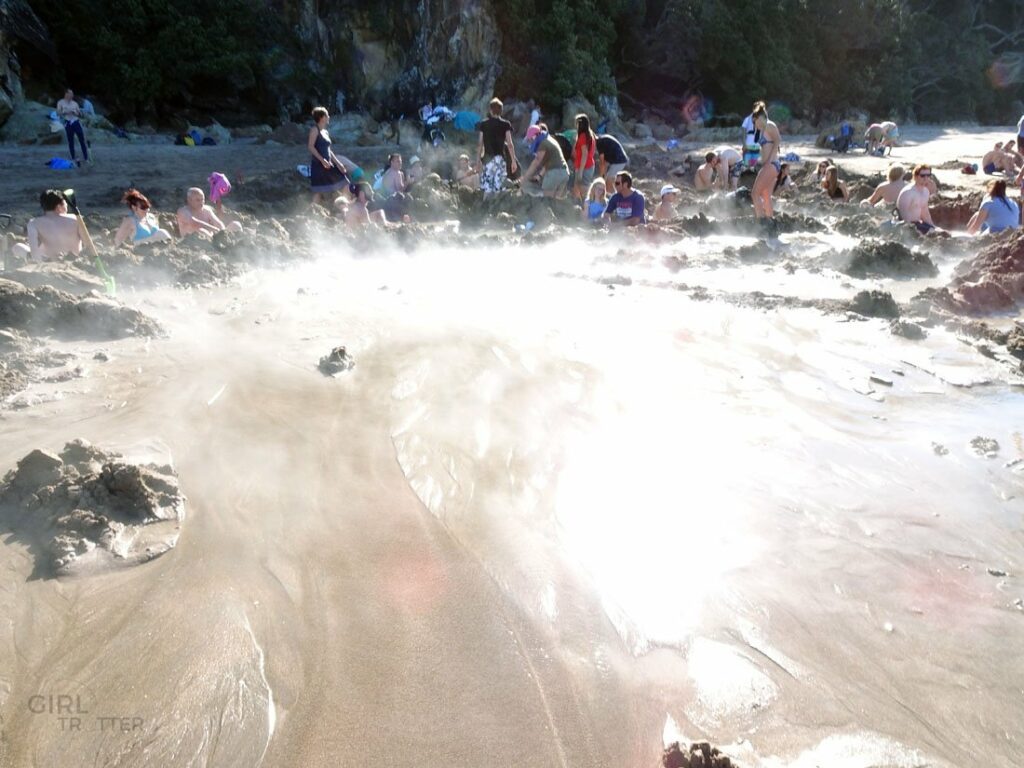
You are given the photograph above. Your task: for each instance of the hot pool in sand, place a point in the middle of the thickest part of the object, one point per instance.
(543, 521)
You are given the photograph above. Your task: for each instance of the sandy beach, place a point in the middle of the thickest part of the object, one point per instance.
(581, 494)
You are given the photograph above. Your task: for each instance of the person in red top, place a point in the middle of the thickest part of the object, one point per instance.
(583, 155)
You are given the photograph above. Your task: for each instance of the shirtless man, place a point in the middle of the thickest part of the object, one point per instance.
(728, 159)
(888, 191)
(53, 233)
(912, 202)
(1012, 148)
(357, 212)
(704, 179)
(198, 217)
(997, 160)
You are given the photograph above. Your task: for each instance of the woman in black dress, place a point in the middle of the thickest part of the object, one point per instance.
(326, 172)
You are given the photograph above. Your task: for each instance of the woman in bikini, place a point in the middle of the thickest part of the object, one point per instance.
(764, 184)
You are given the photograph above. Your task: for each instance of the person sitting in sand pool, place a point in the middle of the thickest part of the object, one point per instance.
(465, 175)
(704, 177)
(833, 188)
(596, 202)
(417, 171)
(140, 227)
(357, 212)
(997, 161)
(784, 184)
(888, 191)
(1012, 148)
(912, 203)
(823, 165)
(626, 206)
(997, 211)
(393, 199)
(548, 161)
(764, 184)
(328, 173)
(53, 233)
(666, 209)
(198, 217)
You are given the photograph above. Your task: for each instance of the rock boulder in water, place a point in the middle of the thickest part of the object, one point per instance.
(889, 259)
(875, 304)
(88, 509)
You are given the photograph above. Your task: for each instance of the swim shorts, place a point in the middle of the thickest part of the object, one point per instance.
(990, 168)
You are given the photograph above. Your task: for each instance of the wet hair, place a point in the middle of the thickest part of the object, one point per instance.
(997, 189)
(583, 129)
(134, 197)
(709, 157)
(319, 113)
(896, 173)
(625, 176)
(496, 107)
(593, 188)
(50, 199)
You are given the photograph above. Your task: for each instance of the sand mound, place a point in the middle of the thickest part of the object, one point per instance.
(49, 310)
(992, 281)
(87, 509)
(888, 259)
(875, 304)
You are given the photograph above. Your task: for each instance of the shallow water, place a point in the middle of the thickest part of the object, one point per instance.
(544, 521)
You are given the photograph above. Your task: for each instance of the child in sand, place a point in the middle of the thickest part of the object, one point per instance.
(666, 209)
(596, 202)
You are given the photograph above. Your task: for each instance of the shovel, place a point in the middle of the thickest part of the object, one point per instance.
(108, 280)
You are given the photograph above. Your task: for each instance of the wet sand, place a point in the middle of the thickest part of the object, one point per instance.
(544, 521)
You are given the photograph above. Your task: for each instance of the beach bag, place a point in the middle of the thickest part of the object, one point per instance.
(196, 136)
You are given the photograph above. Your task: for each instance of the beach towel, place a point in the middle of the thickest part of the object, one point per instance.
(466, 121)
(59, 164)
(791, 157)
(220, 187)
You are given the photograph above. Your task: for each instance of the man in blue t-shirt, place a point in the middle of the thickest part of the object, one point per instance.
(626, 206)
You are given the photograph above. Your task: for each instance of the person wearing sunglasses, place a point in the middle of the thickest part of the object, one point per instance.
(912, 204)
(140, 227)
(626, 206)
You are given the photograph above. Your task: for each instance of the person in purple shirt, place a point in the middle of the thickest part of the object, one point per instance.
(626, 206)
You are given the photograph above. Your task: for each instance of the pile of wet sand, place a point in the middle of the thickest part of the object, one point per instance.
(87, 509)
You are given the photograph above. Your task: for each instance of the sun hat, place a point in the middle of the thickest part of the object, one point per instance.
(668, 189)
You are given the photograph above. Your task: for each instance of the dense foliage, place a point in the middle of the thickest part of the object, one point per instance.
(929, 60)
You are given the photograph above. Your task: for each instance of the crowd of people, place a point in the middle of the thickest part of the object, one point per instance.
(588, 166)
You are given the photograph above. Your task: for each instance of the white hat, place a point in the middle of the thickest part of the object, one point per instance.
(668, 189)
(413, 160)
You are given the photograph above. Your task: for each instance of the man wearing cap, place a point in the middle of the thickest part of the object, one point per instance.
(53, 233)
(626, 206)
(417, 171)
(495, 141)
(547, 161)
(666, 209)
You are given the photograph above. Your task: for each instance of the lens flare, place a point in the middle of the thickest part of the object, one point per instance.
(1007, 70)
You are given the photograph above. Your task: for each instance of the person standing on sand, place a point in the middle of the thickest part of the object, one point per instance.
(495, 140)
(71, 115)
(888, 191)
(764, 184)
(53, 233)
(912, 203)
(326, 172)
(728, 160)
(583, 156)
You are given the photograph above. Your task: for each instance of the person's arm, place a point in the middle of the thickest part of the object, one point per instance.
(537, 160)
(845, 191)
(33, 241)
(926, 214)
(974, 225)
(480, 149)
(124, 232)
(341, 162)
(875, 196)
(511, 150)
(608, 209)
(311, 145)
(215, 221)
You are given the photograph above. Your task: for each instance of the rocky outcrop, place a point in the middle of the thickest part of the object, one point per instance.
(888, 259)
(18, 23)
(992, 281)
(392, 59)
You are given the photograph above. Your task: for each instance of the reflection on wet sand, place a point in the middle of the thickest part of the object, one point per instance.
(537, 521)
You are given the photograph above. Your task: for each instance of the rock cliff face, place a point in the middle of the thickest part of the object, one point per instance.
(389, 58)
(18, 22)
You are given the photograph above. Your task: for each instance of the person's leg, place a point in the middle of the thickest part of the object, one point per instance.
(80, 132)
(69, 131)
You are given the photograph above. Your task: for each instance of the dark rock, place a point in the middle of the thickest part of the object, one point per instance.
(338, 361)
(993, 280)
(889, 259)
(875, 304)
(985, 446)
(907, 330)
